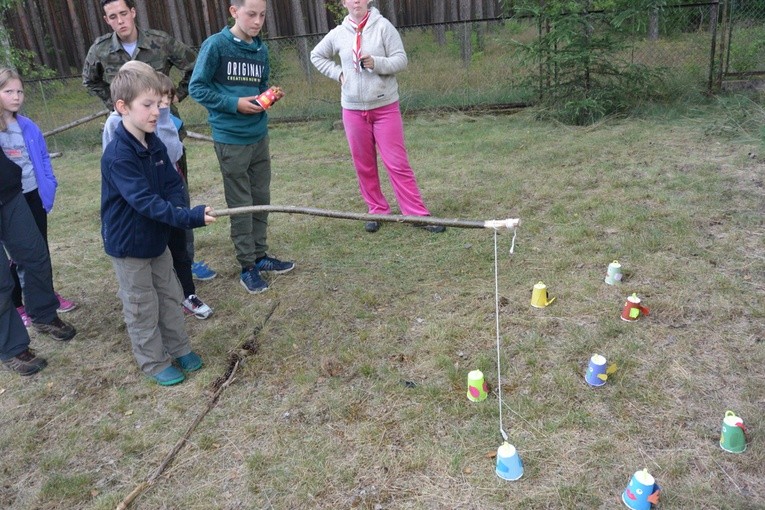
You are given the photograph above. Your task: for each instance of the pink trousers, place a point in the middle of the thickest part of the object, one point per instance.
(383, 128)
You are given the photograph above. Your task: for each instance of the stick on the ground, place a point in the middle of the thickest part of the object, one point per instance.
(76, 123)
(237, 360)
(417, 220)
(199, 136)
(125, 503)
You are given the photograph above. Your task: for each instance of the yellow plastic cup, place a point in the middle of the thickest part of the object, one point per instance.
(539, 298)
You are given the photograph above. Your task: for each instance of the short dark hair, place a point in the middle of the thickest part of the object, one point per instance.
(130, 3)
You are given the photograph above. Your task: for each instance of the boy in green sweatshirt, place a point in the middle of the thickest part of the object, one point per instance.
(232, 69)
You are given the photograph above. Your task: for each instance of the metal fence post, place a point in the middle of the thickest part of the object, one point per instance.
(712, 50)
(723, 41)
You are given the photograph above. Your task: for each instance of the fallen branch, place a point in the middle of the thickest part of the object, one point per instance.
(417, 220)
(199, 136)
(235, 359)
(76, 123)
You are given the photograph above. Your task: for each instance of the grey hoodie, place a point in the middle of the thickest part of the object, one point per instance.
(363, 90)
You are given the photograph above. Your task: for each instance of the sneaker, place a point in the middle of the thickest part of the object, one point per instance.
(190, 362)
(24, 317)
(192, 305)
(64, 305)
(433, 229)
(25, 363)
(273, 265)
(251, 280)
(372, 226)
(169, 376)
(57, 329)
(201, 271)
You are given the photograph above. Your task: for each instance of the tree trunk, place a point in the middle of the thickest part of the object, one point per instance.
(272, 28)
(454, 10)
(653, 25)
(142, 14)
(389, 11)
(186, 25)
(29, 36)
(5, 47)
(79, 37)
(39, 32)
(491, 9)
(175, 21)
(302, 42)
(94, 20)
(466, 47)
(322, 26)
(206, 21)
(439, 16)
(225, 15)
(58, 52)
(480, 27)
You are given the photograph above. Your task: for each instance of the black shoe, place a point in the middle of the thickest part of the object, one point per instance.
(372, 226)
(57, 329)
(25, 363)
(433, 229)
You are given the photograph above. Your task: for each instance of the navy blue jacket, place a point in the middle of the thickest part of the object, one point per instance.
(141, 197)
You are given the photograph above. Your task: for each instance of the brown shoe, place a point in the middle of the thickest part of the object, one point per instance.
(25, 363)
(57, 329)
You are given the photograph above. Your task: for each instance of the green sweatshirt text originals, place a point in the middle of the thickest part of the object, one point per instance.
(228, 68)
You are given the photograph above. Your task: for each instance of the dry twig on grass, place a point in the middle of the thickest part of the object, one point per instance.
(220, 384)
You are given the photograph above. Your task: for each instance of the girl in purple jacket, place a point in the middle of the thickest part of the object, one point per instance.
(24, 144)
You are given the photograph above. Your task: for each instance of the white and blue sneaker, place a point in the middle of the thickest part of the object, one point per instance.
(192, 305)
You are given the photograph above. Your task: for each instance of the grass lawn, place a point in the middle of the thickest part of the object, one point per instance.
(356, 397)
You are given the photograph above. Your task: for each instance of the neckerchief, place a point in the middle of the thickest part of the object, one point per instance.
(357, 43)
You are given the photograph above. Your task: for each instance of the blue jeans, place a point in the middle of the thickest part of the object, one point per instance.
(24, 243)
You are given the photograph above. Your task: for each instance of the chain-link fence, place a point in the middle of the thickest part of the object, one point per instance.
(464, 65)
(743, 49)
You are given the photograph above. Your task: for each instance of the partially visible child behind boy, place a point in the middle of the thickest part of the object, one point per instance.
(142, 197)
(181, 242)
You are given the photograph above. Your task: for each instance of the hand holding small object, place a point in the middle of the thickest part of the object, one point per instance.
(367, 62)
(248, 106)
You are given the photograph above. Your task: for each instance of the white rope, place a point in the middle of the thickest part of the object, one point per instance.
(496, 318)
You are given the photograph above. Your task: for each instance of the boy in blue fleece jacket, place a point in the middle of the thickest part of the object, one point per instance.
(142, 197)
(232, 69)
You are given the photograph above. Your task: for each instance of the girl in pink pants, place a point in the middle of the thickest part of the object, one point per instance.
(371, 53)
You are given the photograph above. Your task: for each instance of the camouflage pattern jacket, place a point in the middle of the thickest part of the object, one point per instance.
(154, 47)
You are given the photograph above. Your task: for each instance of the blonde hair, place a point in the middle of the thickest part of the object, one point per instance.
(6, 75)
(133, 79)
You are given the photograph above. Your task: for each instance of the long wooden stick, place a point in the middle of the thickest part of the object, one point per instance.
(199, 136)
(125, 503)
(417, 220)
(76, 123)
(248, 348)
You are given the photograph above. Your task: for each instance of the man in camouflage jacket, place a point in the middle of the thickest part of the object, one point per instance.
(127, 42)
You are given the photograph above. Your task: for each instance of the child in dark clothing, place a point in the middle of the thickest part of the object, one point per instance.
(142, 197)
(181, 242)
(25, 244)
